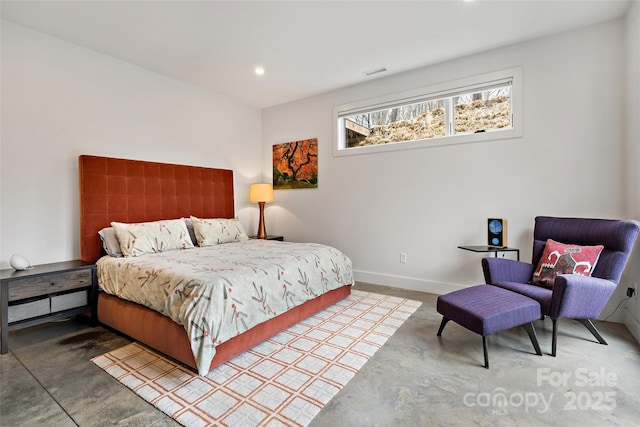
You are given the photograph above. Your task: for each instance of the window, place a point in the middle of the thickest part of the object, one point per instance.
(476, 109)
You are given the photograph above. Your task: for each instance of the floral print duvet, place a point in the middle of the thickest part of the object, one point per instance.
(218, 292)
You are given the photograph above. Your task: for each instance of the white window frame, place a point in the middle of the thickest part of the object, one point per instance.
(441, 90)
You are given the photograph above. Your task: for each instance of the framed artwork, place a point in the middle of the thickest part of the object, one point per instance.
(295, 164)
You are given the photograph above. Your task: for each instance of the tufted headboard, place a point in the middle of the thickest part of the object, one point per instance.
(136, 191)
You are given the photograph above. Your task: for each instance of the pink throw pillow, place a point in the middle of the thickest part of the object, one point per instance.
(560, 258)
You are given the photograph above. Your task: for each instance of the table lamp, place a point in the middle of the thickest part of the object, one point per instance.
(261, 194)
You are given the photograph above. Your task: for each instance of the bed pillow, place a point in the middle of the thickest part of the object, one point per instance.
(110, 242)
(152, 237)
(215, 231)
(192, 232)
(560, 258)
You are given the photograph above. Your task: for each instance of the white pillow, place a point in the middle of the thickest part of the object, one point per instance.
(151, 237)
(192, 233)
(110, 242)
(215, 231)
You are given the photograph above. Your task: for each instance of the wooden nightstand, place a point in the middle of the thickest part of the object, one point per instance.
(269, 237)
(44, 293)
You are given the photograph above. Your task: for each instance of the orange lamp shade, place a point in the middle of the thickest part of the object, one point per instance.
(261, 194)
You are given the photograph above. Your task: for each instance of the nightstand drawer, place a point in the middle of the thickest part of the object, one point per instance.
(28, 310)
(67, 301)
(49, 284)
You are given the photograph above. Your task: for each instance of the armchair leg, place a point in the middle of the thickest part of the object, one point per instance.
(586, 322)
(590, 326)
(444, 322)
(554, 338)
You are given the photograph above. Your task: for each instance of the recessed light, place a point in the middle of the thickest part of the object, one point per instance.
(259, 71)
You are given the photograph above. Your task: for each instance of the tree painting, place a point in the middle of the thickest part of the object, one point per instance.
(295, 164)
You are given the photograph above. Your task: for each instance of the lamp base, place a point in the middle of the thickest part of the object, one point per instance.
(262, 232)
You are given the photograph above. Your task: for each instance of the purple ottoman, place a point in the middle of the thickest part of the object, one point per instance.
(486, 309)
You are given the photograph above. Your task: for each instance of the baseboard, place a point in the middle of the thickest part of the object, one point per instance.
(409, 283)
(632, 323)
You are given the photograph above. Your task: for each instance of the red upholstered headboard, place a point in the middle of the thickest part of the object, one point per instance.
(137, 191)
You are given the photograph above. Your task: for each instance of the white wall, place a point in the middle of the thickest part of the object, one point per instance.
(60, 100)
(426, 202)
(632, 91)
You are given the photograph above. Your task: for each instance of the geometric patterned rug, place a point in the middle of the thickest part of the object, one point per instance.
(284, 381)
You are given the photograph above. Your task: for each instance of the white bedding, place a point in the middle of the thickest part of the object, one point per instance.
(218, 292)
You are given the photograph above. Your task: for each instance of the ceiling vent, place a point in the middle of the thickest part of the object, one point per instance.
(375, 71)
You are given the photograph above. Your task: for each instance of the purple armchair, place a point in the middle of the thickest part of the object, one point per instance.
(573, 296)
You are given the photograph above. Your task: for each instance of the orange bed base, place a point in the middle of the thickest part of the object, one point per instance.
(163, 334)
(136, 191)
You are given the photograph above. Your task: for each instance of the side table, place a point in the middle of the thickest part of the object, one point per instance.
(44, 293)
(488, 249)
(270, 237)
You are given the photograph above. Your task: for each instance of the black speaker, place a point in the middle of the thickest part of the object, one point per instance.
(497, 232)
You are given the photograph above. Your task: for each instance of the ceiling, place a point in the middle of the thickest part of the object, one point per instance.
(306, 47)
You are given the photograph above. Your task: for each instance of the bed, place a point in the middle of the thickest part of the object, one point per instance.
(233, 278)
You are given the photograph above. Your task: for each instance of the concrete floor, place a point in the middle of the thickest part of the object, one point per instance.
(415, 379)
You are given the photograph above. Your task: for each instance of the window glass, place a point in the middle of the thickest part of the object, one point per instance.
(482, 110)
(473, 109)
(422, 120)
